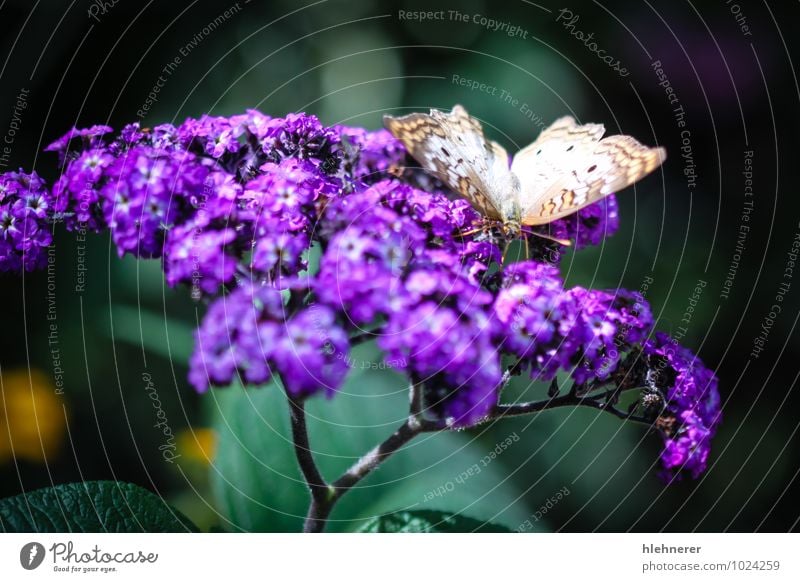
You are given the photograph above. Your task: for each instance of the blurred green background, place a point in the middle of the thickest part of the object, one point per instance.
(350, 62)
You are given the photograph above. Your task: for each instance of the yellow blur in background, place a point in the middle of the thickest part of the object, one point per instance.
(197, 445)
(33, 419)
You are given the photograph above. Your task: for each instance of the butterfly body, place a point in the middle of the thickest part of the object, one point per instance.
(568, 167)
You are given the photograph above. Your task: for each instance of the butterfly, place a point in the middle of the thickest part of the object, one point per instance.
(568, 167)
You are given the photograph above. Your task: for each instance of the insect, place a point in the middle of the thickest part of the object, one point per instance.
(568, 167)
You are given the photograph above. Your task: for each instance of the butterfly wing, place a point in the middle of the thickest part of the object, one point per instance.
(452, 147)
(569, 167)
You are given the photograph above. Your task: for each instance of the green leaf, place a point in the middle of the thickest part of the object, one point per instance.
(429, 522)
(168, 337)
(259, 488)
(92, 506)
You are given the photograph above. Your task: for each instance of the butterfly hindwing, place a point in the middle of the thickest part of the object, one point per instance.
(452, 147)
(569, 167)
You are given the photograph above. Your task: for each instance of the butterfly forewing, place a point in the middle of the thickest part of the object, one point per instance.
(452, 146)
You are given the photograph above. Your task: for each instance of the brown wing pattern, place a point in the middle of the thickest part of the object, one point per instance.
(452, 146)
(569, 167)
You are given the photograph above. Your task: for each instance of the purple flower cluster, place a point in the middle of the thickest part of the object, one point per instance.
(692, 408)
(248, 335)
(579, 330)
(25, 225)
(304, 240)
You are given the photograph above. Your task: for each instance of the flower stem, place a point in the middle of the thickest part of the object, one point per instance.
(321, 505)
(324, 495)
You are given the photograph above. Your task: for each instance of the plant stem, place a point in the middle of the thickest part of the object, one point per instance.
(324, 496)
(319, 508)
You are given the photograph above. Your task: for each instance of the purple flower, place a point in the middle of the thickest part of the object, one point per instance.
(312, 352)
(280, 254)
(302, 136)
(451, 354)
(252, 123)
(214, 136)
(360, 276)
(329, 238)
(440, 333)
(90, 137)
(206, 249)
(692, 405)
(25, 230)
(78, 191)
(246, 334)
(590, 225)
(148, 192)
(287, 192)
(368, 155)
(539, 322)
(587, 227)
(614, 322)
(582, 331)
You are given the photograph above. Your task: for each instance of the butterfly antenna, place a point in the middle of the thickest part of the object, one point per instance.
(469, 232)
(561, 241)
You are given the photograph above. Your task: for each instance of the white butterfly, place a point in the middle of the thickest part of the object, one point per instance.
(567, 168)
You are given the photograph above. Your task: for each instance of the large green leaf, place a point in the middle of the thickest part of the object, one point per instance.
(428, 522)
(259, 488)
(93, 506)
(168, 337)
